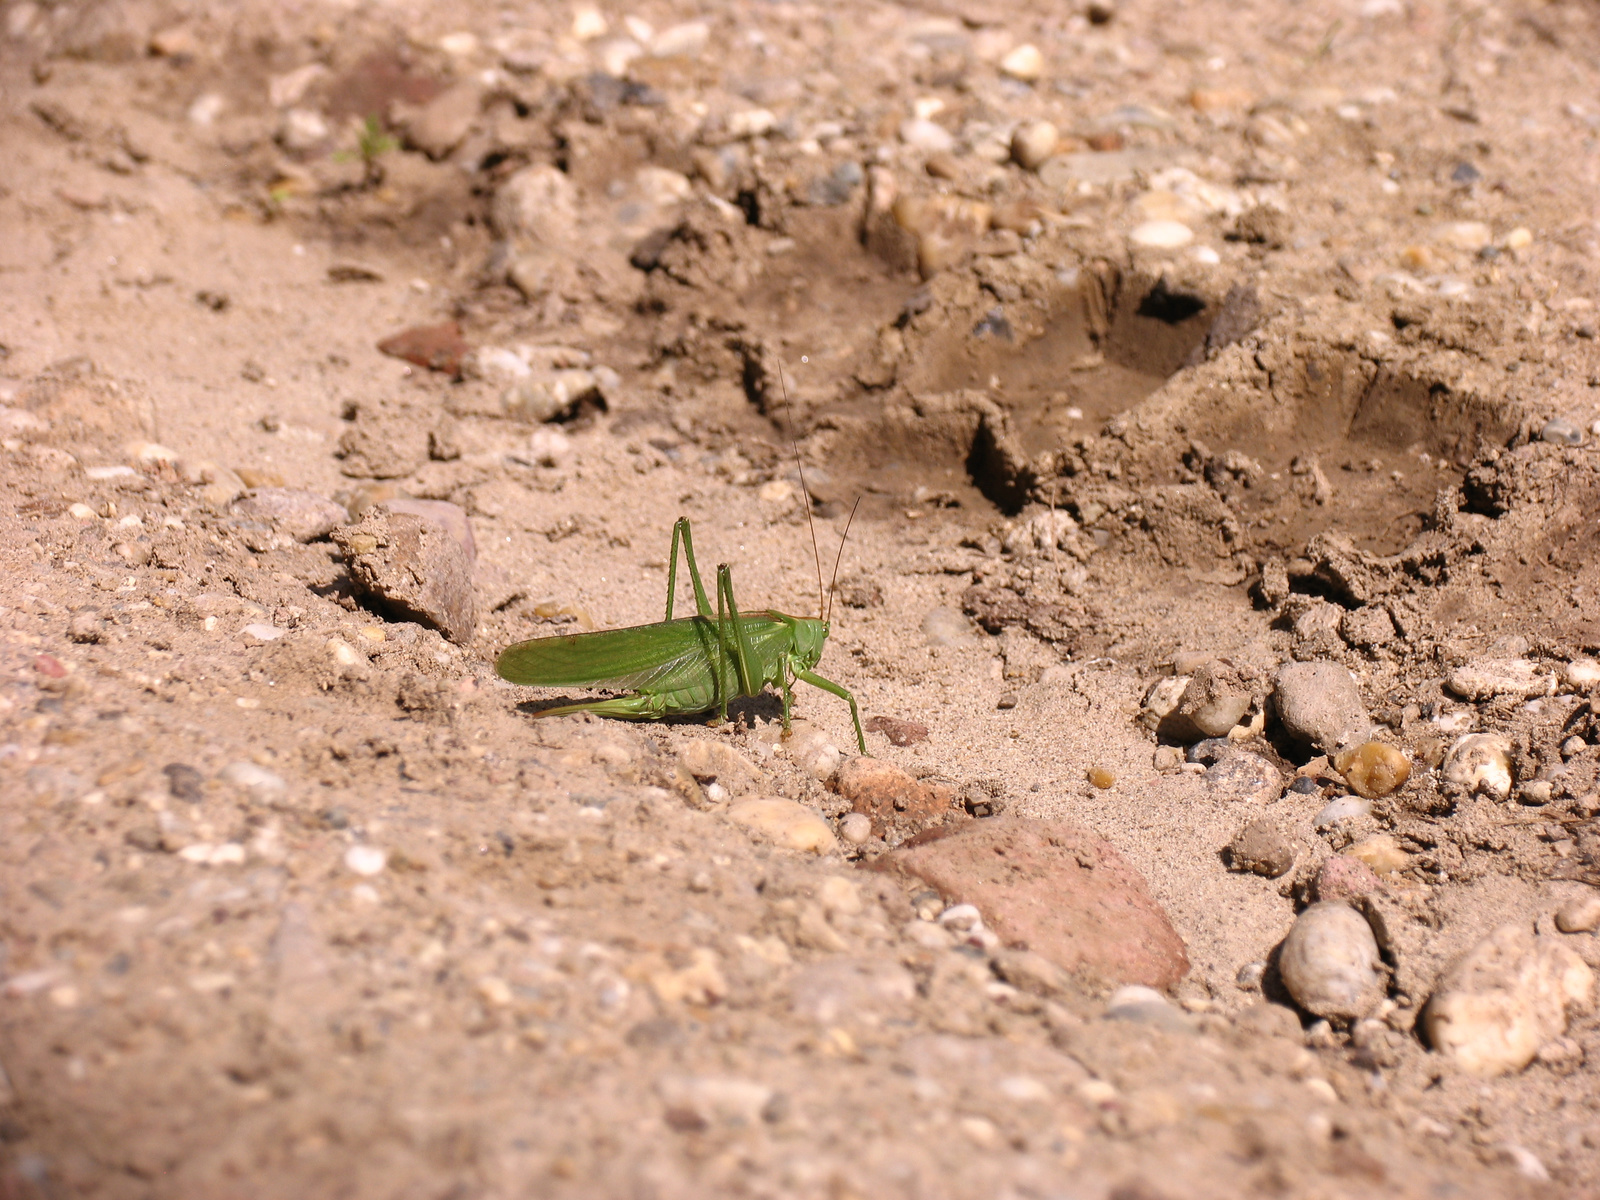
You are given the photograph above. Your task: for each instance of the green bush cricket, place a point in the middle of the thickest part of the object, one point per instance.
(688, 665)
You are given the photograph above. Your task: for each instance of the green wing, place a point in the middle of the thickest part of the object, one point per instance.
(647, 658)
(620, 658)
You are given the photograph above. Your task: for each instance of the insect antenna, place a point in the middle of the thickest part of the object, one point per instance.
(838, 557)
(805, 494)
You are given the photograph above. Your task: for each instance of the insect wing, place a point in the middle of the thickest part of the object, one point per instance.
(636, 657)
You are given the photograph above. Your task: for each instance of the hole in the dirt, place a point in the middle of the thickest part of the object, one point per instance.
(750, 204)
(1169, 307)
(993, 475)
(1100, 346)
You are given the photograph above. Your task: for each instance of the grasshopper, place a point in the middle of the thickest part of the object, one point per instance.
(688, 665)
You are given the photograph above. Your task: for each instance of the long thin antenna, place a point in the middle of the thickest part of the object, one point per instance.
(839, 557)
(805, 493)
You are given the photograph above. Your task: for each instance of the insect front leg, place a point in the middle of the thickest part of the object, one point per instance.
(680, 531)
(737, 639)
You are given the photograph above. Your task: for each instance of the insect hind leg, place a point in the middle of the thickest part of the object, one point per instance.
(629, 708)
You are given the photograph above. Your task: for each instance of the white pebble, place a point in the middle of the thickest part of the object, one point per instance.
(927, 136)
(1161, 235)
(548, 447)
(751, 123)
(1465, 235)
(1581, 673)
(1486, 677)
(1342, 808)
(589, 23)
(207, 107)
(963, 918)
(343, 652)
(1480, 762)
(366, 860)
(784, 823)
(1025, 63)
(855, 828)
(813, 751)
(1033, 143)
(1330, 963)
(261, 632)
(262, 785)
(1133, 996)
(1505, 998)
(302, 129)
(687, 40)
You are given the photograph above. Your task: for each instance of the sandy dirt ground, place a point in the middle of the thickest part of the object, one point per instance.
(1214, 387)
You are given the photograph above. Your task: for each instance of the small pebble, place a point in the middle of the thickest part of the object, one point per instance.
(856, 828)
(1480, 762)
(927, 136)
(184, 782)
(1536, 792)
(1381, 852)
(1373, 769)
(1146, 1006)
(86, 627)
(1484, 678)
(1582, 673)
(304, 516)
(262, 632)
(1025, 63)
(1102, 777)
(1263, 847)
(784, 823)
(1033, 143)
(302, 129)
(366, 860)
(1343, 877)
(1009, 700)
(1251, 974)
(686, 40)
(1581, 914)
(1244, 777)
(1167, 758)
(1465, 235)
(1216, 699)
(261, 784)
(1342, 808)
(963, 918)
(1330, 962)
(1161, 235)
(1504, 999)
(1320, 704)
(899, 731)
(1304, 785)
(1561, 431)
(813, 751)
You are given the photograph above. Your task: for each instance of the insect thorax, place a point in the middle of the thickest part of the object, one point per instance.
(810, 635)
